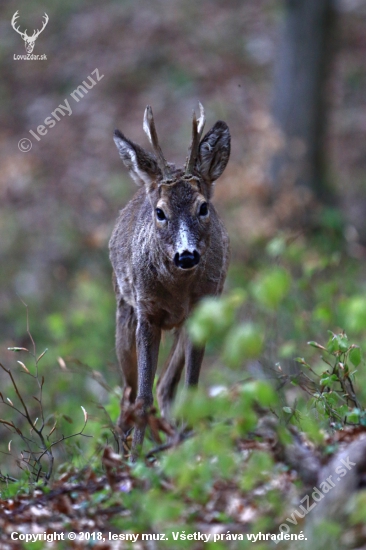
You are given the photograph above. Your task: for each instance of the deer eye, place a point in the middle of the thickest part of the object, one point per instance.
(160, 214)
(203, 209)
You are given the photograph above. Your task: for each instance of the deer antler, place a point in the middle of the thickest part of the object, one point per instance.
(150, 130)
(197, 130)
(38, 32)
(13, 21)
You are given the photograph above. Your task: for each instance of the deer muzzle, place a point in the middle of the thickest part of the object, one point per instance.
(187, 259)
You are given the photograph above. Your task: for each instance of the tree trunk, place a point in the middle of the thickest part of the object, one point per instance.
(300, 107)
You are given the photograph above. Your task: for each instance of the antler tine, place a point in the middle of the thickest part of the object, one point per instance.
(13, 21)
(150, 130)
(197, 130)
(201, 120)
(46, 19)
(14, 18)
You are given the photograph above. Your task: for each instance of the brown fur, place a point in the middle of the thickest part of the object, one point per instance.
(153, 292)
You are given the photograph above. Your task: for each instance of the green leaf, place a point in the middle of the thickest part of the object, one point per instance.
(260, 391)
(332, 345)
(342, 342)
(311, 427)
(243, 342)
(266, 395)
(331, 398)
(355, 314)
(272, 287)
(194, 406)
(354, 415)
(355, 356)
(342, 410)
(214, 316)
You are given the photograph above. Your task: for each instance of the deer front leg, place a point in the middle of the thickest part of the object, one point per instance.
(169, 378)
(147, 342)
(194, 357)
(126, 353)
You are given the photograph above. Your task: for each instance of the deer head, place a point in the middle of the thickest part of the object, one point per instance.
(29, 40)
(179, 198)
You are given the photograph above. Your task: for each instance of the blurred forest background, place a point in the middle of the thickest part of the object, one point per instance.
(298, 143)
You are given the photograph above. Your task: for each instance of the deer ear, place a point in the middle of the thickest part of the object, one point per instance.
(141, 165)
(214, 152)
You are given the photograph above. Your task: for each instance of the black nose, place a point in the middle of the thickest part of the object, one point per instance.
(186, 260)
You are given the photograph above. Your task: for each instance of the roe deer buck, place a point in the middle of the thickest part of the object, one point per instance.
(168, 249)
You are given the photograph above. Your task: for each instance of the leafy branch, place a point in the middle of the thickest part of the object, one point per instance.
(333, 389)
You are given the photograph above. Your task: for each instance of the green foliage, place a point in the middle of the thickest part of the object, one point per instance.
(335, 394)
(271, 287)
(243, 342)
(358, 509)
(355, 314)
(214, 317)
(273, 313)
(11, 490)
(259, 469)
(91, 305)
(169, 509)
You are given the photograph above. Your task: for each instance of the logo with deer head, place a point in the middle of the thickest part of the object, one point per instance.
(28, 40)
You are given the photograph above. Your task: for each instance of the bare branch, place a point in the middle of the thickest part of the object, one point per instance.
(26, 413)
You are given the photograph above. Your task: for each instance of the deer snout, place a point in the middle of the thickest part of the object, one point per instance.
(187, 259)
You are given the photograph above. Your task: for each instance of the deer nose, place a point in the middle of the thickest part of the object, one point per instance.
(187, 260)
